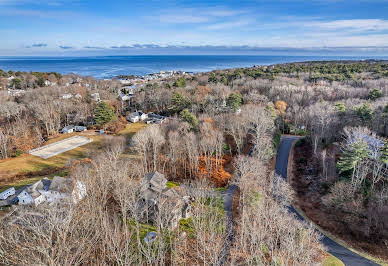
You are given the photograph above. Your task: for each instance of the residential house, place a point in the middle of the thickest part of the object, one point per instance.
(155, 119)
(157, 199)
(137, 116)
(57, 190)
(67, 129)
(16, 93)
(7, 193)
(80, 128)
(49, 83)
(95, 97)
(25, 198)
(67, 96)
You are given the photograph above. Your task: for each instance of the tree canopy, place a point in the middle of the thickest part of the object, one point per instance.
(234, 101)
(190, 118)
(104, 114)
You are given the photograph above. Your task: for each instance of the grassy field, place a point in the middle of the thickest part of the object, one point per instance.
(131, 130)
(330, 260)
(27, 163)
(32, 166)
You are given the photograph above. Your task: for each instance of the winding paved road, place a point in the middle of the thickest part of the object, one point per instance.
(228, 196)
(347, 256)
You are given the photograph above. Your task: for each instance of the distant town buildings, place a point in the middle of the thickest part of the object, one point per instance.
(152, 77)
(16, 93)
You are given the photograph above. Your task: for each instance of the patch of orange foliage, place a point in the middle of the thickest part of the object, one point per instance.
(281, 107)
(217, 175)
(208, 120)
(203, 90)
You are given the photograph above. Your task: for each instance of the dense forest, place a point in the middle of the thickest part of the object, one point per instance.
(222, 124)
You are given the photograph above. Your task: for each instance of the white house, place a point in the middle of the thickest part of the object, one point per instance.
(38, 200)
(137, 116)
(7, 193)
(49, 83)
(25, 198)
(16, 93)
(67, 96)
(95, 97)
(57, 190)
(68, 129)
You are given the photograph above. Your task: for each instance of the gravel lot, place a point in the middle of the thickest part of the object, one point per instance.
(59, 147)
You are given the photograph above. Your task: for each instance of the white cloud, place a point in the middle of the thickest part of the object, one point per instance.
(184, 18)
(198, 15)
(354, 24)
(228, 25)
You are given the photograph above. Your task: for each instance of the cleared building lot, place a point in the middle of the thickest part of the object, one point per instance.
(59, 147)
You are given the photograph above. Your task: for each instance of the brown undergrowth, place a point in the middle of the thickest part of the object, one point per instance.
(356, 228)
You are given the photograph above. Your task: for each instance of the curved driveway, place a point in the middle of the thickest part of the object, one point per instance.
(347, 256)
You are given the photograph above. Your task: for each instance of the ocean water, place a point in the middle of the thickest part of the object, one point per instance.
(111, 66)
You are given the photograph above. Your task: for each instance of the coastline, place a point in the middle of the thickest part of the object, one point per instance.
(108, 67)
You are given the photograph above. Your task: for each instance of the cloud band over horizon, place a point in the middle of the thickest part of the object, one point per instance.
(295, 26)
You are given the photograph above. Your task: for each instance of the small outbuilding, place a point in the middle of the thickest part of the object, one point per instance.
(68, 129)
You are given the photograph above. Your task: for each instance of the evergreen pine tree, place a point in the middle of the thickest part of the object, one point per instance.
(104, 114)
(353, 153)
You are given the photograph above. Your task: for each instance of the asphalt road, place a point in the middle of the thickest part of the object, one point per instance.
(347, 256)
(229, 224)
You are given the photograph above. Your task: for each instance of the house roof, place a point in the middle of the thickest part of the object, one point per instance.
(68, 127)
(156, 180)
(61, 184)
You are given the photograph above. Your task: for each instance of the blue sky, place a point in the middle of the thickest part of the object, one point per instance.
(100, 27)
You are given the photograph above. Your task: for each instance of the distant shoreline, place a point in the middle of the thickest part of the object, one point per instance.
(107, 67)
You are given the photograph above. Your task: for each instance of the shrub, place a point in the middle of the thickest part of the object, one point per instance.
(340, 193)
(190, 118)
(374, 94)
(234, 101)
(364, 112)
(180, 82)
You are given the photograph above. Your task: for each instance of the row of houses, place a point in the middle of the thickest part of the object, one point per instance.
(154, 76)
(149, 118)
(154, 197)
(57, 190)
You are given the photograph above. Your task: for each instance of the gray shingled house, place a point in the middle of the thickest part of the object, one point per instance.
(160, 202)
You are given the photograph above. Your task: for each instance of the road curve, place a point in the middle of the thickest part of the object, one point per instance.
(347, 256)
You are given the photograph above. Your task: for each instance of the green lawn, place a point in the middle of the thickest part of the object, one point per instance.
(171, 184)
(131, 130)
(27, 163)
(330, 260)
